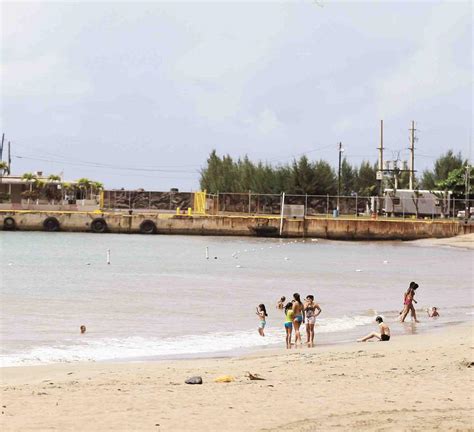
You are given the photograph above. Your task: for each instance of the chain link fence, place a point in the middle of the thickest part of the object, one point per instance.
(416, 205)
(144, 200)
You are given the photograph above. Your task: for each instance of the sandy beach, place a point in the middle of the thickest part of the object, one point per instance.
(465, 241)
(419, 382)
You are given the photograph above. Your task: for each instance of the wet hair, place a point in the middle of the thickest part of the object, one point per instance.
(296, 296)
(262, 308)
(283, 298)
(310, 297)
(379, 319)
(413, 285)
(434, 308)
(83, 328)
(288, 306)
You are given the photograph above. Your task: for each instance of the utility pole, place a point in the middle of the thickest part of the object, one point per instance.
(412, 154)
(467, 187)
(1, 147)
(380, 171)
(339, 177)
(9, 159)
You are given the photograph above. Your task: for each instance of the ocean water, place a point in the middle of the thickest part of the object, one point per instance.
(160, 297)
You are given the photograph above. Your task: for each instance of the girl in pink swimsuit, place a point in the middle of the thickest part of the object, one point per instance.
(408, 302)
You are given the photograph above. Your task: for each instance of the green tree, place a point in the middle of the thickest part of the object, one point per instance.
(443, 166)
(303, 177)
(348, 178)
(3, 167)
(456, 182)
(366, 179)
(325, 179)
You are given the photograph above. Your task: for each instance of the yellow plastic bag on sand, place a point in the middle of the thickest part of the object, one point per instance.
(224, 379)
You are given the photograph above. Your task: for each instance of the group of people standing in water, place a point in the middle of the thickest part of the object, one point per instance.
(298, 313)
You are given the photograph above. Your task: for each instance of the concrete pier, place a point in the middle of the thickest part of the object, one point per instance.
(159, 223)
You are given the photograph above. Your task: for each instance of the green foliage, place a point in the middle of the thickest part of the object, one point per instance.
(54, 177)
(28, 176)
(366, 179)
(443, 166)
(3, 167)
(456, 181)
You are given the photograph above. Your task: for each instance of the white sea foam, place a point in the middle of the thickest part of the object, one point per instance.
(138, 347)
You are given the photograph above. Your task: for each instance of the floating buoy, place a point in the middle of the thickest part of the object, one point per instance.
(207, 252)
(385, 262)
(238, 266)
(358, 270)
(286, 258)
(108, 256)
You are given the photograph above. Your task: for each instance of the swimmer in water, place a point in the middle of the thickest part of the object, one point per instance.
(281, 303)
(433, 313)
(83, 329)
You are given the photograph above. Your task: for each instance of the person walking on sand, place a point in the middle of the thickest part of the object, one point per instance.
(408, 302)
(262, 314)
(288, 323)
(298, 315)
(384, 334)
(281, 303)
(309, 308)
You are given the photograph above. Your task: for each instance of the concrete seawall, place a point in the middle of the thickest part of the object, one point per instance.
(339, 228)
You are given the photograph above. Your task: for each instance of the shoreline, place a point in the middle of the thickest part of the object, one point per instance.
(416, 382)
(463, 241)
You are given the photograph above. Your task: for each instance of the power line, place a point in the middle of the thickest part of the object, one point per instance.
(102, 165)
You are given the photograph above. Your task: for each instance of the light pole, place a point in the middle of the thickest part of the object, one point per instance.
(339, 177)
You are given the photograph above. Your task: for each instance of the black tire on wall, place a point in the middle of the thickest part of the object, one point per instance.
(148, 227)
(9, 224)
(51, 224)
(99, 225)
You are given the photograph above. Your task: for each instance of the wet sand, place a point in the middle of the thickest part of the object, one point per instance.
(419, 382)
(465, 241)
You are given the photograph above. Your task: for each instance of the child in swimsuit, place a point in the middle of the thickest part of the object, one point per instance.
(433, 313)
(262, 314)
(310, 311)
(384, 334)
(408, 302)
(288, 323)
(298, 317)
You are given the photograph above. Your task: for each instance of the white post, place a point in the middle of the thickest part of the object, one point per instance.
(108, 256)
(207, 252)
(282, 208)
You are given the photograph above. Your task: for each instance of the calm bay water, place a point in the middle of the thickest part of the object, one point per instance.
(161, 297)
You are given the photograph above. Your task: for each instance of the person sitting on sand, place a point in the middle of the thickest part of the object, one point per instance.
(433, 313)
(281, 303)
(288, 323)
(384, 334)
(83, 329)
(297, 317)
(408, 302)
(262, 314)
(309, 308)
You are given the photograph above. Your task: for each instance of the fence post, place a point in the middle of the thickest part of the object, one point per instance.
(305, 203)
(357, 205)
(327, 206)
(250, 200)
(403, 208)
(129, 200)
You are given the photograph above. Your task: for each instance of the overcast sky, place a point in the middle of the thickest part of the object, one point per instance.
(156, 86)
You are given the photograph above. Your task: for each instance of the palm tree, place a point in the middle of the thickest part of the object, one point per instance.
(3, 167)
(54, 177)
(84, 184)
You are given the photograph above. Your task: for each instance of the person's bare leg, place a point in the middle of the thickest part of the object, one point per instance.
(413, 313)
(260, 331)
(308, 334)
(404, 313)
(288, 338)
(370, 336)
(296, 325)
(311, 340)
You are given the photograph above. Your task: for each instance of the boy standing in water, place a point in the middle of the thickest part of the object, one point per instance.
(384, 334)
